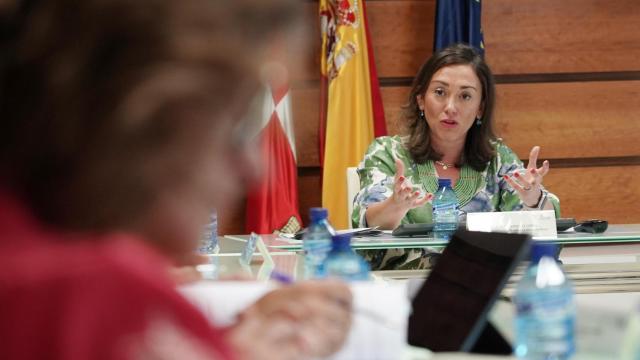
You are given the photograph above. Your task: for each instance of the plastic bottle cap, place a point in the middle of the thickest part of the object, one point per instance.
(444, 182)
(341, 242)
(318, 213)
(540, 249)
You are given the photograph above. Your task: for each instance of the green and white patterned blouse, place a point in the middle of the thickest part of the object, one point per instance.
(476, 191)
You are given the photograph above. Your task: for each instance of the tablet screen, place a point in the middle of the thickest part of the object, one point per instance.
(450, 309)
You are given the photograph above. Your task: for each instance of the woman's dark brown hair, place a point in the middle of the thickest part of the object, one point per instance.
(96, 96)
(478, 149)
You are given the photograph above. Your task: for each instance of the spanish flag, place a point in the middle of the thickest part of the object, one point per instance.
(351, 106)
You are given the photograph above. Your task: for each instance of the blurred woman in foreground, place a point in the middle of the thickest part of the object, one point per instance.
(119, 135)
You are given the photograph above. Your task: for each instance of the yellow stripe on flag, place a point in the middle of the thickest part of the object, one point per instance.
(349, 122)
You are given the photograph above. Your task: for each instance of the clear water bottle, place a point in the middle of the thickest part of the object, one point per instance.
(343, 262)
(209, 240)
(545, 309)
(445, 211)
(316, 243)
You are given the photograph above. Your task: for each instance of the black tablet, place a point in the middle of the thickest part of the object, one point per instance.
(419, 229)
(450, 310)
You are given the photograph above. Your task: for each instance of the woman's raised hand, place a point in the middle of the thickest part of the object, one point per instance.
(404, 194)
(528, 184)
(388, 214)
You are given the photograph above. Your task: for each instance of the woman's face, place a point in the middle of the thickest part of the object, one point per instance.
(451, 103)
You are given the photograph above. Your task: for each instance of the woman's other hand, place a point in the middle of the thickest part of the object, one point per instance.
(404, 194)
(389, 213)
(528, 184)
(319, 312)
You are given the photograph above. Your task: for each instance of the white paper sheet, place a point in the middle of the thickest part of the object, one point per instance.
(380, 313)
(536, 223)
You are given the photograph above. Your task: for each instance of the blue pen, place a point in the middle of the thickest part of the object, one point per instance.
(281, 277)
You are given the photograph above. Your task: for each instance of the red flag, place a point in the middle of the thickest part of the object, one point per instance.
(273, 203)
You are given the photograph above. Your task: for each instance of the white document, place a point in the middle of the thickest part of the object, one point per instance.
(536, 223)
(380, 315)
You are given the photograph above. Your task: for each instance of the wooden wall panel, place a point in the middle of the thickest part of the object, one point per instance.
(571, 120)
(309, 192)
(307, 57)
(305, 109)
(402, 35)
(393, 99)
(609, 193)
(565, 119)
(550, 36)
(305, 104)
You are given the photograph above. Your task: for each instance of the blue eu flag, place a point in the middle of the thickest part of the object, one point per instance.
(458, 21)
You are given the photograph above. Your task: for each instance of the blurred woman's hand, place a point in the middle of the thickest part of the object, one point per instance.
(317, 312)
(258, 337)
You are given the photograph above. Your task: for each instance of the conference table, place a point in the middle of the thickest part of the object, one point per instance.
(605, 270)
(581, 252)
(615, 234)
